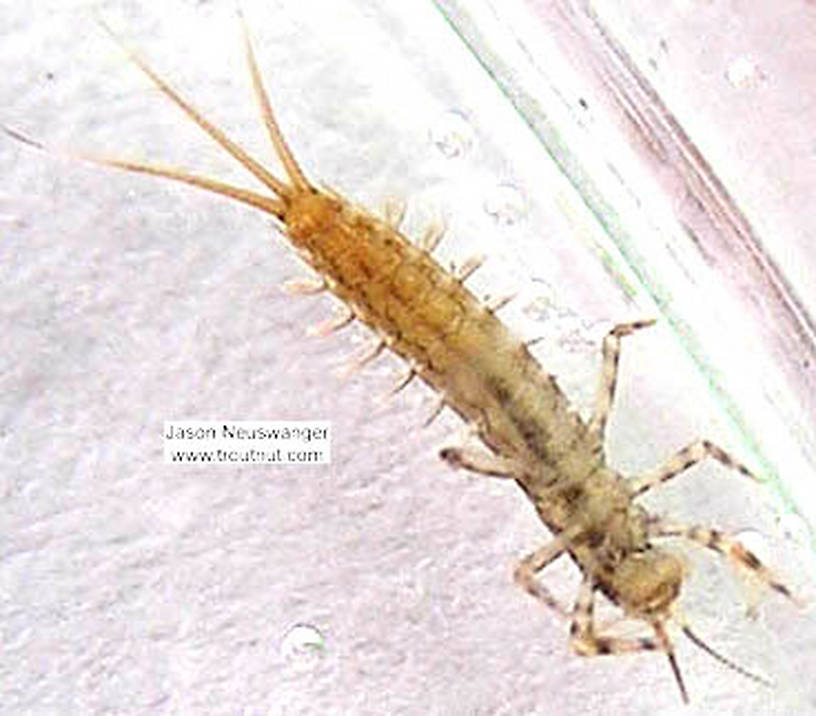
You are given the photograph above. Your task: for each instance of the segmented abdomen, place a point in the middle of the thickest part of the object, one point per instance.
(456, 344)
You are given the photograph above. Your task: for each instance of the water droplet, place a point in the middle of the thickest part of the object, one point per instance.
(506, 205)
(303, 647)
(452, 134)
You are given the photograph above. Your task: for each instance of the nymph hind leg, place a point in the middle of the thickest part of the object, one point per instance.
(585, 641)
(684, 459)
(609, 375)
(727, 546)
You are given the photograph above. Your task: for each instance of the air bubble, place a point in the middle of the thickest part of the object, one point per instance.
(303, 647)
(742, 73)
(452, 135)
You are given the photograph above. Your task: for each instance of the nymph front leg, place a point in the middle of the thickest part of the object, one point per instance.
(727, 546)
(481, 461)
(526, 571)
(585, 641)
(609, 375)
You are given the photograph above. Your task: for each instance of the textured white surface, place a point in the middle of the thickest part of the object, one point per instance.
(130, 586)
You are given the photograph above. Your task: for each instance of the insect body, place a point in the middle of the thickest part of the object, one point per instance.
(527, 429)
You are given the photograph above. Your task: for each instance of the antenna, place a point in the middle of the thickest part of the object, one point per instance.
(697, 641)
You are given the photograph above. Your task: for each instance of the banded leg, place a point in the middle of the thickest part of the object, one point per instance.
(525, 574)
(609, 375)
(683, 460)
(586, 642)
(583, 638)
(728, 547)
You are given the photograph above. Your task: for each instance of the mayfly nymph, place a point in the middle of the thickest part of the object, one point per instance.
(524, 428)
